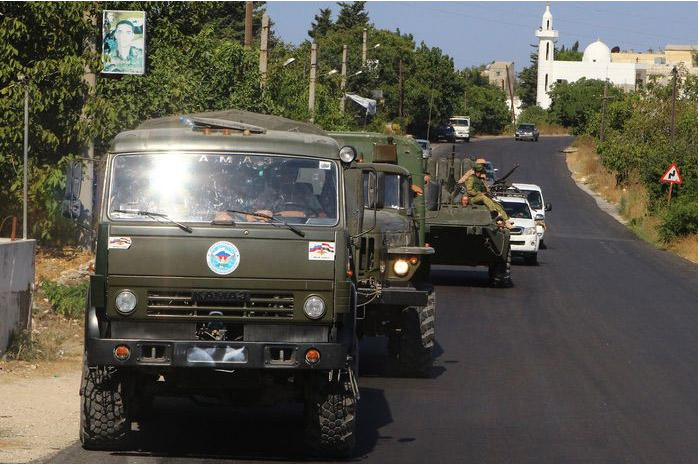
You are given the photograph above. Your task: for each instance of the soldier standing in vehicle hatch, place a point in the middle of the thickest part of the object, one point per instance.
(477, 192)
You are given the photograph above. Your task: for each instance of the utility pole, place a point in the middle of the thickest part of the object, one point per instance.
(313, 76)
(249, 12)
(88, 150)
(673, 108)
(511, 97)
(263, 50)
(25, 81)
(602, 132)
(343, 85)
(431, 103)
(364, 49)
(400, 86)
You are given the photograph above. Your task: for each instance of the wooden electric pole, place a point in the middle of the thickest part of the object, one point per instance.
(343, 85)
(249, 12)
(313, 76)
(365, 48)
(602, 132)
(511, 97)
(263, 50)
(673, 108)
(401, 87)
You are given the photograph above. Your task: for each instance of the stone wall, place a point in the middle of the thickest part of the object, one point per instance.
(16, 285)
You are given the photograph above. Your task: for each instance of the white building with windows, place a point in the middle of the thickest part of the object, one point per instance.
(596, 64)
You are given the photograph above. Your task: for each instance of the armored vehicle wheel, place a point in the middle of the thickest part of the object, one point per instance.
(500, 272)
(330, 416)
(417, 342)
(532, 260)
(105, 422)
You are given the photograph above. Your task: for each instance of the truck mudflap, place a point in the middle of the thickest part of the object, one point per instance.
(403, 296)
(215, 354)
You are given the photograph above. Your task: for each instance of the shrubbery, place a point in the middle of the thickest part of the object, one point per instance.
(679, 220)
(67, 300)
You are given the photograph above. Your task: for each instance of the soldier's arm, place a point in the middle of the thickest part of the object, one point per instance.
(470, 186)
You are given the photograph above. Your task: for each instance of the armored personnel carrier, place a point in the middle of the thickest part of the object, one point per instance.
(463, 235)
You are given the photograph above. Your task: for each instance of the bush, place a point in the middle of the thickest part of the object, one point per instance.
(679, 220)
(533, 115)
(67, 300)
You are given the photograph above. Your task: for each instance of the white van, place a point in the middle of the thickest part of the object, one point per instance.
(461, 125)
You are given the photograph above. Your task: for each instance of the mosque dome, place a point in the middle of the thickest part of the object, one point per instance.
(597, 52)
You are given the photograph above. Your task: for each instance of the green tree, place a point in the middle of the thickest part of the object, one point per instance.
(527, 87)
(574, 103)
(321, 24)
(352, 14)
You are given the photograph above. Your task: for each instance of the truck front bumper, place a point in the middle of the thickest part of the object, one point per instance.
(403, 296)
(215, 354)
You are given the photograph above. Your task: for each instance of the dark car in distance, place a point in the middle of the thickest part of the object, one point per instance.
(527, 132)
(445, 133)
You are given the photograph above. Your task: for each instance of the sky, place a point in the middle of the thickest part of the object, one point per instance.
(476, 33)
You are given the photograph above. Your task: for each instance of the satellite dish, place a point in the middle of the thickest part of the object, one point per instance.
(615, 49)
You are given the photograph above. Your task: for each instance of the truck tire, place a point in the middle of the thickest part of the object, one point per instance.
(500, 272)
(415, 355)
(330, 417)
(104, 414)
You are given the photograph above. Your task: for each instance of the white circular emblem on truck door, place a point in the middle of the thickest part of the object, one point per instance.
(223, 258)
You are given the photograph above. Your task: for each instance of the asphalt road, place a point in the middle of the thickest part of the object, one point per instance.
(592, 357)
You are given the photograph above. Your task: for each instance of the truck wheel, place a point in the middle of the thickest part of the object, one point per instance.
(104, 414)
(417, 342)
(500, 272)
(330, 417)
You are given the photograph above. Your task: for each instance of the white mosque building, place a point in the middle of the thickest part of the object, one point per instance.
(596, 64)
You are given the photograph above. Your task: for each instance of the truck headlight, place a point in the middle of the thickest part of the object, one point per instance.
(530, 231)
(314, 307)
(126, 302)
(401, 267)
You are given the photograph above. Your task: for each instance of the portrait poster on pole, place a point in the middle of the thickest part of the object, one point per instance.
(123, 42)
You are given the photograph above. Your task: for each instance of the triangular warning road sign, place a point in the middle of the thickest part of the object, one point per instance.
(672, 176)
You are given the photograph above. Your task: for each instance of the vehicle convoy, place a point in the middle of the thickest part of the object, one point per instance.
(526, 132)
(524, 235)
(534, 195)
(223, 269)
(464, 235)
(461, 127)
(392, 261)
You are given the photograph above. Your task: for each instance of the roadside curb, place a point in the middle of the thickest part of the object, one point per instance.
(602, 203)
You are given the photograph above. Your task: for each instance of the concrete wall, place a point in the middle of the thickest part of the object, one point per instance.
(16, 284)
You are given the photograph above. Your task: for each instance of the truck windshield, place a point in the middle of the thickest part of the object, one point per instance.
(458, 122)
(534, 199)
(201, 187)
(517, 210)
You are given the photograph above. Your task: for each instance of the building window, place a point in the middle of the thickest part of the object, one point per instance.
(547, 51)
(546, 82)
(547, 24)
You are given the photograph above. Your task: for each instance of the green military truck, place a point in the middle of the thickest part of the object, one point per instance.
(223, 268)
(463, 235)
(392, 261)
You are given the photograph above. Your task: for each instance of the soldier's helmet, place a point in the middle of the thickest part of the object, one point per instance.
(477, 167)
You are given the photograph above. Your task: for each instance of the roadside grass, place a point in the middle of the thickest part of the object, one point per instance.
(631, 199)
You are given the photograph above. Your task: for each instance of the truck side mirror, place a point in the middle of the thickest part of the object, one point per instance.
(548, 206)
(72, 207)
(380, 191)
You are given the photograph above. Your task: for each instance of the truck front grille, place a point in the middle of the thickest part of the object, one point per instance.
(257, 305)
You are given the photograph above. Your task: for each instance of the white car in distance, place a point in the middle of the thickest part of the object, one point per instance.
(523, 237)
(534, 195)
(426, 147)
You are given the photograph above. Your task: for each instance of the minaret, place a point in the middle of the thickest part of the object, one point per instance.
(546, 50)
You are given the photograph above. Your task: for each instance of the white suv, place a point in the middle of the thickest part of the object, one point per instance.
(535, 198)
(524, 235)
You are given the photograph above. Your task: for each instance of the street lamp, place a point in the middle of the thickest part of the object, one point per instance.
(288, 61)
(334, 71)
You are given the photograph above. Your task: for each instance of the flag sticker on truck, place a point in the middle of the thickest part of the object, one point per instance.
(321, 251)
(119, 243)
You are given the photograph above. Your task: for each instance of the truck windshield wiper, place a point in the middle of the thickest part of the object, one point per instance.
(271, 218)
(155, 216)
